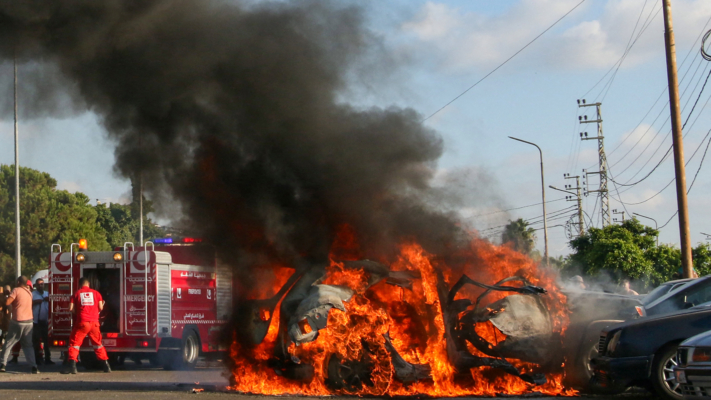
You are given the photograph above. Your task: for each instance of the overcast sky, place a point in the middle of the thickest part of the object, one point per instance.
(439, 49)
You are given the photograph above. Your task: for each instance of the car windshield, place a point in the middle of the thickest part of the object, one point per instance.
(692, 294)
(658, 292)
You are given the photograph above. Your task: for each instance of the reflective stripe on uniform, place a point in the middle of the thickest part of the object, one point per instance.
(76, 347)
(98, 347)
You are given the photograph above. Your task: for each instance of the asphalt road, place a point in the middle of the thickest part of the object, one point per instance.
(132, 381)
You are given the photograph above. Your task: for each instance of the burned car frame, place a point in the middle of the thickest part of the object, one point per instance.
(305, 301)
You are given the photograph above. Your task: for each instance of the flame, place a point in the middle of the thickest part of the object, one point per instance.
(413, 320)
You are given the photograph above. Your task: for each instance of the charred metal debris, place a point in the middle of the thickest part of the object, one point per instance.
(521, 317)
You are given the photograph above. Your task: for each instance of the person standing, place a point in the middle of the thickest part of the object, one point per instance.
(86, 304)
(626, 289)
(20, 329)
(3, 309)
(40, 328)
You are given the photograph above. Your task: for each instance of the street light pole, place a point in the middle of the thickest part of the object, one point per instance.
(655, 224)
(18, 259)
(543, 196)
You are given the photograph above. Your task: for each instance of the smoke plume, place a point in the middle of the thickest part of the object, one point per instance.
(232, 111)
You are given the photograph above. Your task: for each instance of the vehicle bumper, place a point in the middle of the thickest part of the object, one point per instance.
(615, 372)
(698, 382)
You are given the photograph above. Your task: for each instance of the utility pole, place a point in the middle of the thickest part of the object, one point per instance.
(678, 142)
(140, 208)
(18, 259)
(619, 213)
(604, 195)
(581, 221)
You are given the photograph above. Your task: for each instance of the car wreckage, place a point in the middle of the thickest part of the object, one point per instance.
(305, 302)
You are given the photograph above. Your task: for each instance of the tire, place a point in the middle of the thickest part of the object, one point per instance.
(184, 359)
(663, 379)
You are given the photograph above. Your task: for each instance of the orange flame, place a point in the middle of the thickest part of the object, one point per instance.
(414, 321)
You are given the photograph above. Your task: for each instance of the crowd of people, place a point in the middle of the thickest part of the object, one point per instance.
(24, 322)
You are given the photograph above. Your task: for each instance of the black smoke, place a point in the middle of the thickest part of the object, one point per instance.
(235, 113)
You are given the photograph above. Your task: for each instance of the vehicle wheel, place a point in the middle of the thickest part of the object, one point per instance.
(663, 379)
(585, 373)
(186, 357)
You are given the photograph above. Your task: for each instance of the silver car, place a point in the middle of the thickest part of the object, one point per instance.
(693, 371)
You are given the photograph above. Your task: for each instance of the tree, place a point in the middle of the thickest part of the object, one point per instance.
(47, 216)
(617, 249)
(122, 225)
(629, 251)
(519, 236)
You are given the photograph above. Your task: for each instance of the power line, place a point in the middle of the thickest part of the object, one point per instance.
(503, 63)
(673, 179)
(512, 209)
(691, 49)
(670, 148)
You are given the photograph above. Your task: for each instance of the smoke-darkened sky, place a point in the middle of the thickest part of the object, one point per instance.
(413, 54)
(233, 112)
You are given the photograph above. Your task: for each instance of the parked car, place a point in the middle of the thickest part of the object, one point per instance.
(694, 370)
(644, 351)
(591, 311)
(683, 294)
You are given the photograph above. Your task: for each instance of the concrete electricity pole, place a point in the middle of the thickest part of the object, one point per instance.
(18, 259)
(575, 197)
(604, 194)
(581, 221)
(619, 213)
(678, 143)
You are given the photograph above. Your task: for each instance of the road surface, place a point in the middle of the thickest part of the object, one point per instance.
(143, 382)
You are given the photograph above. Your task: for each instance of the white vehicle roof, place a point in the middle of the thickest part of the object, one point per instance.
(43, 273)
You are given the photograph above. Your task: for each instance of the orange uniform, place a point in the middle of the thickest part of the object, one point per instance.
(86, 304)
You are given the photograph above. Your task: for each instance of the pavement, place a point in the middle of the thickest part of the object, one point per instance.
(132, 381)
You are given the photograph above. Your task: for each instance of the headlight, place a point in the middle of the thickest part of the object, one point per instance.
(701, 354)
(612, 345)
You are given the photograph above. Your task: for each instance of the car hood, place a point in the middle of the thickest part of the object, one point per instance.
(657, 319)
(702, 339)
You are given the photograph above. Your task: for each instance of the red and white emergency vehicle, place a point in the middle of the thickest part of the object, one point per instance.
(168, 304)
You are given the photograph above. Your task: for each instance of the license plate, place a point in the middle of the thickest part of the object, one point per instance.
(109, 342)
(680, 376)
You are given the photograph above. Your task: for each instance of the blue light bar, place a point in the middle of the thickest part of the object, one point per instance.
(163, 241)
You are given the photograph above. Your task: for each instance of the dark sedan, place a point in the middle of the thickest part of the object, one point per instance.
(644, 351)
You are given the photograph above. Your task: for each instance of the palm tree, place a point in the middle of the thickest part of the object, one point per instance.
(519, 235)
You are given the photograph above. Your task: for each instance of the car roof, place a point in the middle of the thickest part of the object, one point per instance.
(692, 282)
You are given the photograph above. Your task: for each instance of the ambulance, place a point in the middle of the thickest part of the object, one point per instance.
(168, 301)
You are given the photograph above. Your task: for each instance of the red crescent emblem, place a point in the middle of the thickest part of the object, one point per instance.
(136, 263)
(61, 267)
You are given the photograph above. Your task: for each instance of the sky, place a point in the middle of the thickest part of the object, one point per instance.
(610, 52)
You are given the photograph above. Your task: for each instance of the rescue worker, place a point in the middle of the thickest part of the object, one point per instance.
(86, 304)
(20, 329)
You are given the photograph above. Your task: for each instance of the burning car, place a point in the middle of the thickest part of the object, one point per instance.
(361, 327)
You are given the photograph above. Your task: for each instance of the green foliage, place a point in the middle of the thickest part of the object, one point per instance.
(629, 251)
(519, 236)
(48, 216)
